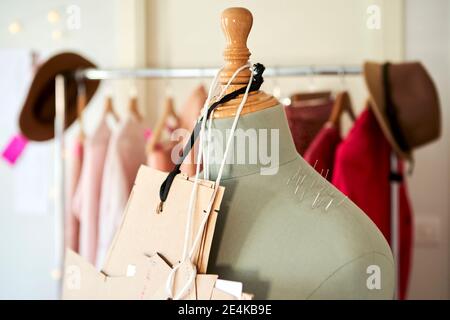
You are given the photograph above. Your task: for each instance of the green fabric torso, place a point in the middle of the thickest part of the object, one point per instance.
(286, 245)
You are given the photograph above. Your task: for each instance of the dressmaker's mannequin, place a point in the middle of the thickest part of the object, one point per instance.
(311, 244)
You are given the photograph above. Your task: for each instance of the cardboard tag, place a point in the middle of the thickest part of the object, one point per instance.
(205, 284)
(147, 246)
(145, 232)
(218, 294)
(83, 281)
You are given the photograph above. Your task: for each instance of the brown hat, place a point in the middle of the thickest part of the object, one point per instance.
(405, 102)
(38, 113)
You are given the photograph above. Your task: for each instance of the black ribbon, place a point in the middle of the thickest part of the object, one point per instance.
(258, 70)
(395, 176)
(391, 112)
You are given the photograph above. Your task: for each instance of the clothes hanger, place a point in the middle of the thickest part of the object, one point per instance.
(109, 109)
(133, 106)
(169, 111)
(315, 95)
(342, 104)
(312, 96)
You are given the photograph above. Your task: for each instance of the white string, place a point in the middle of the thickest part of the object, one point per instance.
(208, 151)
(188, 256)
(193, 198)
(222, 166)
(206, 105)
(170, 279)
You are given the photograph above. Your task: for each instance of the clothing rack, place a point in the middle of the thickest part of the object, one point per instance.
(192, 73)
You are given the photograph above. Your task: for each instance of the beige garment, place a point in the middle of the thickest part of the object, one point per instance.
(87, 197)
(126, 153)
(73, 216)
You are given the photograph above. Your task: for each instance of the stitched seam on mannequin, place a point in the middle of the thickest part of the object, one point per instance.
(256, 172)
(343, 266)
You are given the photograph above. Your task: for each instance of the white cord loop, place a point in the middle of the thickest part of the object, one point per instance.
(188, 254)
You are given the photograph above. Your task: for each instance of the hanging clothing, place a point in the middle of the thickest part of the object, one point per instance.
(191, 109)
(362, 172)
(322, 150)
(188, 117)
(73, 216)
(306, 120)
(126, 153)
(87, 197)
(161, 157)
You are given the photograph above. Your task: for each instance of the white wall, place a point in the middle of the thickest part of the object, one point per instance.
(428, 40)
(108, 37)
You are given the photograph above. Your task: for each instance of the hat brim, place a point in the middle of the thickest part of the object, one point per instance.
(36, 119)
(373, 76)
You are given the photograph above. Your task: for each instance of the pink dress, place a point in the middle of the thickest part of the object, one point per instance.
(72, 215)
(161, 157)
(87, 197)
(126, 153)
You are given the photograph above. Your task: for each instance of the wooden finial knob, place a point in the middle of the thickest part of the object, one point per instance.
(236, 24)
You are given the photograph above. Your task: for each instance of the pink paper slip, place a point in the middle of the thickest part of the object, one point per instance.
(14, 149)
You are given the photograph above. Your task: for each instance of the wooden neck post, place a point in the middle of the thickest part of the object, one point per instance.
(236, 25)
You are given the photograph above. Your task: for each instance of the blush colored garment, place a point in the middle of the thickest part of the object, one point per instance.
(305, 121)
(322, 150)
(191, 109)
(73, 216)
(361, 171)
(126, 153)
(87, 197)
(188, 117)
(161, 157)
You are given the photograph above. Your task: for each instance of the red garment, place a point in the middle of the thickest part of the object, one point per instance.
(305, 121)
(361, 171)
(321, 152)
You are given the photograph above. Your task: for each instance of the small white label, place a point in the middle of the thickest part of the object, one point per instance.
(131, 270)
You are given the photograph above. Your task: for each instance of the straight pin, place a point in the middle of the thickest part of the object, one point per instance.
(295, 175)
(341, 202)
(303, 195)
(315, 200)
(299, 176)
(312, 184)
(326, 174)
(329, 205)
